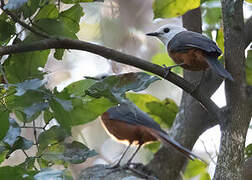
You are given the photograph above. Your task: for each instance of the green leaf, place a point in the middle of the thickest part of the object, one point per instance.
(52, 136)
(165, 110)
(141, 99)
(71, 17)
(164, 59)
(32, 84)
(53, 174)
(77, 152)
(48, 116)
(114, 87)
(7, 30)
(211, 14)
(153, 147)
(173, 8)
(4, 121)
(249, 67)
(195, 168)
(248, 151)
(77, 89)
(205, 176)
(58, 53)
(20, 143)
(13, 133)
(61, 115)
(54, 27)
(23, 66)
(74, 153)
(28, 164)
(16, 173)
(249, 1)
(3, 151)
(30, 8)
(19, 103)
(49, 11)
(220, 39)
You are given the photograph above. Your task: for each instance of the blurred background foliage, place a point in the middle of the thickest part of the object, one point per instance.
(44, 97)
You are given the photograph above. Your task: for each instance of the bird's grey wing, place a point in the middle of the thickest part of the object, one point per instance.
(133, 115)
(186, 40)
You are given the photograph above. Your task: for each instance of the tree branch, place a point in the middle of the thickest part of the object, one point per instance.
(63, 43)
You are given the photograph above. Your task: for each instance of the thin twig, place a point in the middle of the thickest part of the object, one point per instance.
(25, 153)
(31, 127)
(210, 156)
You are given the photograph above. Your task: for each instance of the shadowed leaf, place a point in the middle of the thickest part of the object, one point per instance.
(54, 135)
(4, 121)
(20, 143)
(74, 153)
(32, 84)
(13, 133)
(248, 151)
(115, 87)
(14, 4)
(16, 173)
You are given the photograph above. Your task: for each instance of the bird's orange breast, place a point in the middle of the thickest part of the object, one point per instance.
(125, 131)
(193, 59)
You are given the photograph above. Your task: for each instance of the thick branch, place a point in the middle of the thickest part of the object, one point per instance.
(234, 128)
(63, 43)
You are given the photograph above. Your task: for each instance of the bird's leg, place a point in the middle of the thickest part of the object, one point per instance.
(134, 154)
(168, 69)
(118, 163)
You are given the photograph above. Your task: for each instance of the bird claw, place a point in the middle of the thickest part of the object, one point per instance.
(167, 69)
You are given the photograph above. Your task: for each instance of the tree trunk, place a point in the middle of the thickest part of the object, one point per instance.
(234, 127)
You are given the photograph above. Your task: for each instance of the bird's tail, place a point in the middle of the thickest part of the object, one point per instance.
(218, 68)
(165, 139)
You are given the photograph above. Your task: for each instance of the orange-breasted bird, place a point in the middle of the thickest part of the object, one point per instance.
(128, 123)
(192, 50)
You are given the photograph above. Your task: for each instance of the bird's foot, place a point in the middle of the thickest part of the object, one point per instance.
(136, 168)
(167, 69)
(115, 166)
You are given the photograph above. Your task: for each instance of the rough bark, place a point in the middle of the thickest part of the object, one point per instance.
(235, 126)
(104, 172)
(192, 119)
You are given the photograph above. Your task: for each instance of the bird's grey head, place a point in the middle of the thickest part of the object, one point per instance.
(167, 32)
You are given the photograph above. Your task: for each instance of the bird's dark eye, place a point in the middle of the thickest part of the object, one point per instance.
(166, 30)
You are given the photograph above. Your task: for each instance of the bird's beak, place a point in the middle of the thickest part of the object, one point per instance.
(153, 34)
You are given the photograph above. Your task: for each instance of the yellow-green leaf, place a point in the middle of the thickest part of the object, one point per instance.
(173, 8)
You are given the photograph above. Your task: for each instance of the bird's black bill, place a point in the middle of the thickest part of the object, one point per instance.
(152, 34)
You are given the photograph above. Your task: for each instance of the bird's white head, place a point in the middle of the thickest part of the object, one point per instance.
(167, 32)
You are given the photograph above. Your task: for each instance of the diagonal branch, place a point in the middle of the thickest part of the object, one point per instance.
(64, 43)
